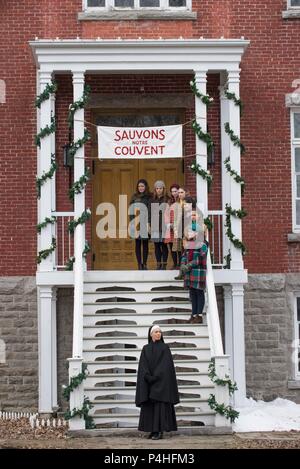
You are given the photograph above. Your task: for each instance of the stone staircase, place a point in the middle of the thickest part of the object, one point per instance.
(119, 308)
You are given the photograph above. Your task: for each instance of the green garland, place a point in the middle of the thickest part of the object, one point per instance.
(208, 223)
(83, 412)
(74, 147)
(75, 381)
(41, 180)
(235, 241)
(47, 220)
(50, 88)
(82, 219)
(45, 131)
(234, 138)
(206, 99)
(239, 179)
(46, 252)
(196, 169)
(78, 105)
(79, 185)
(205, 137)
(221, 409)
(236, 100)
(71, 260)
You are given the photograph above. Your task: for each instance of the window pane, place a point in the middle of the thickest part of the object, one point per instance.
(297, 125)
(295, 3)
(149, 3)
(297, 160)
(177, 3)
(124, 3)
(96, 3)
(298, 212)
(298, 311)
(298, 187)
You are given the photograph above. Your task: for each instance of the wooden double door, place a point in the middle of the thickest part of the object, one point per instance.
(112, 179)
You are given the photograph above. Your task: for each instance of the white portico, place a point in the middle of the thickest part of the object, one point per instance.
(81, 57)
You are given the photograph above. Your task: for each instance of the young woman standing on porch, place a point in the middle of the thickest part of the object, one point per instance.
(140, 201)
(169, 240)
(157, 217)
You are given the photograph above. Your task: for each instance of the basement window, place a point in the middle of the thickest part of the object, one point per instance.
(138, 4)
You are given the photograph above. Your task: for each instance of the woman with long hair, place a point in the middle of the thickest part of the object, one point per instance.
(169, 240)
(140, 201)
(159, 205)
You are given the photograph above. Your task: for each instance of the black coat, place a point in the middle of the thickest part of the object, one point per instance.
(156, 378)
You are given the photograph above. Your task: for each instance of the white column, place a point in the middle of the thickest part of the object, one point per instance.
(45, 203)
(238, 334)
(227, 291)
(225, 152)
(54, 349)
(235, 162)
(221, 392)
(79, 236)
(45, 349)
(76, 396)
(201, 147)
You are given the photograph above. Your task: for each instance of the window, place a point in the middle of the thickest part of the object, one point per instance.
(297, 338)
(139, 4)
(296, 169)
(293, 3)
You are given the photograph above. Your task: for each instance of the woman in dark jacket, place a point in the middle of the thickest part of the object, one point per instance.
(156, 387)
(159, 205)
(140, 201)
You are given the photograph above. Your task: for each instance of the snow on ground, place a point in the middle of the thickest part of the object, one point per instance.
(260, 416)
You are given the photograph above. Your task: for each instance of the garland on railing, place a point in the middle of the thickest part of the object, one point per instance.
(239, 214)
(236, 100)
(239, 179)
(41, 180)
(46, 252)
(205, 98)
(79, 104)
(208, 223)
(70, 262)
(79, 185)
(221, 409)
(234, 138)
(74, 146)
(197, 169)
(205, 137)
(50, 88)
(80, 221)
(43, 224)
(45, 131)
(75, 381)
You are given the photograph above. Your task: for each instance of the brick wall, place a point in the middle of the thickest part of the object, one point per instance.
(269, 66)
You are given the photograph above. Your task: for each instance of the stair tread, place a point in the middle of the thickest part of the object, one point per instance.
(132, 401)
(132, 388)
(133, 326)
(198, 412)
(130, 362)
(128, 375)
(136, 292)
(139, 349)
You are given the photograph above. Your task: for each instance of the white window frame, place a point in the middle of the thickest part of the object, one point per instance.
(295, 144)
(297, 339)
(164, 6)
(292, 7)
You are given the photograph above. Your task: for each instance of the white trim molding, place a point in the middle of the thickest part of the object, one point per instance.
(138, 56)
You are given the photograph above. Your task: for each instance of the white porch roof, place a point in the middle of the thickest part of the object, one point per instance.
(138, 56)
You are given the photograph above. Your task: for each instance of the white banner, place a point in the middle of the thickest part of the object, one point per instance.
(140, 142)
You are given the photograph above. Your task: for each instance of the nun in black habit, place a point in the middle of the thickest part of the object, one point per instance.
(156, 387)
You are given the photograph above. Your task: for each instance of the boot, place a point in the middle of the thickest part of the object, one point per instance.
(140, 266)
(164, 266)
(180, 276)
(158, 266)
(144, 267)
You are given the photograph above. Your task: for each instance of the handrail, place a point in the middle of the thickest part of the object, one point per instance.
(213, 316)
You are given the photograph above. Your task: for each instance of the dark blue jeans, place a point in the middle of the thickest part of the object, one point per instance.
(198, 299)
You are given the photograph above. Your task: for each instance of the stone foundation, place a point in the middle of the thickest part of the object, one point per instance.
(269, 332)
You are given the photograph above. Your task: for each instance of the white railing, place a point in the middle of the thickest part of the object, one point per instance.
(216, 345)
(64, 241)
(216, 237)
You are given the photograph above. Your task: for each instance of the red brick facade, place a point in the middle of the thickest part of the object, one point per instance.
(269, 67)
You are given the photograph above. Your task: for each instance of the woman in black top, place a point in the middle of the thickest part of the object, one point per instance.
(140, 202)
(156, 387)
